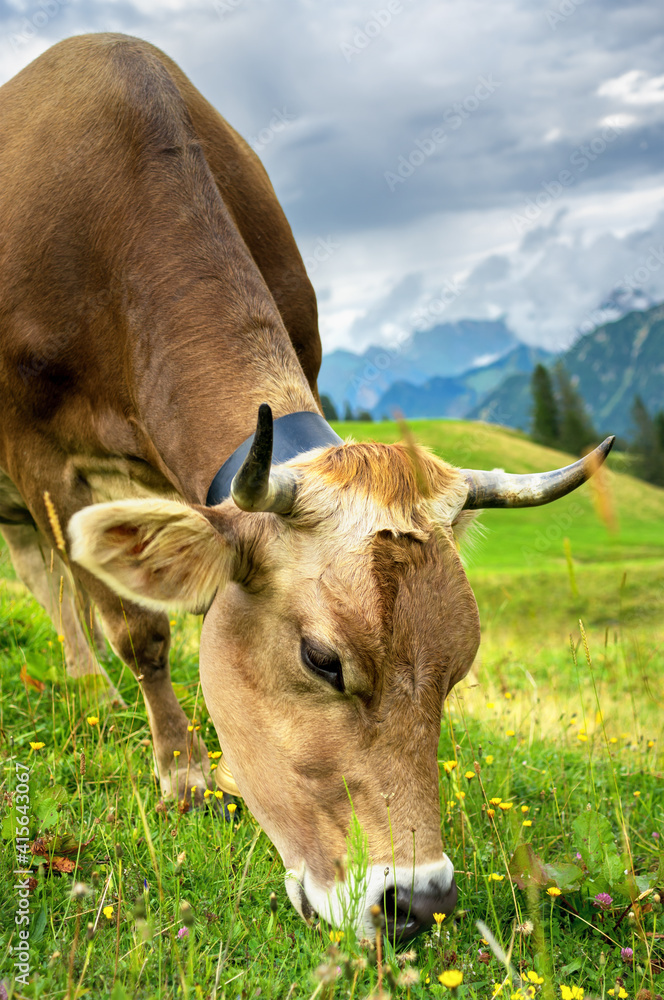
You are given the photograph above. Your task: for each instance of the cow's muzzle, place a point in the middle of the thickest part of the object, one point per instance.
(408, 913)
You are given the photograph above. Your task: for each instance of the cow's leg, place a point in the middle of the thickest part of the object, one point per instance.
(142, 639)
(44, 574)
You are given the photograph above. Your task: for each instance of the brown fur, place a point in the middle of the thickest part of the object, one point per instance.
(151, 297)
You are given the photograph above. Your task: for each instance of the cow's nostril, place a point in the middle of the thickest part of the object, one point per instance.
(409, 912)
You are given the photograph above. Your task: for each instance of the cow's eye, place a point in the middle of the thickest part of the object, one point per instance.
(327, 665)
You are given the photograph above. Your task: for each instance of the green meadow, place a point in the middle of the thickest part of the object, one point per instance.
(552, 800)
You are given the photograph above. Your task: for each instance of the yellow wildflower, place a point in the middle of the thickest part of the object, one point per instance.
(527, 822)
(613, 739)
(469, 775)
(214, 754)
(505, 806)
(231, 807)
(176, 753)
(108, 912)
(490, 704)
(508, 695)
(451, 978)
(494, 877)
(92, 720)
(207, 793)
(439, 917)
(37, 746)
(636, 794)
(583, 737)
(449, 766)
(218, 794)
(491, 813)
(525, 809)
(336, 936)
(495, 802)
(554, 891)
(573, 993)
(509, 732)
(532, 977)
(462, 795)
(489, 758)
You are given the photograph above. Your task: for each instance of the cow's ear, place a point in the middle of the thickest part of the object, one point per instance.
(158, 553)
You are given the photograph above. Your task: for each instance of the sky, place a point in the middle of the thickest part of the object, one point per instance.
(437, 159)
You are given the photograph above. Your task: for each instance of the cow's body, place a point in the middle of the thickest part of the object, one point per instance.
(151, 297)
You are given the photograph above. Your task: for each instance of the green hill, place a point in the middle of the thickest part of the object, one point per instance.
(527, 540)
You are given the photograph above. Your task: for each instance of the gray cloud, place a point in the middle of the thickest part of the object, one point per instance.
(366, 95)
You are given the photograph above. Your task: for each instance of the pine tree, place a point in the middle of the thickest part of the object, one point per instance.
(364, 415)
(329, 409)
(348, 413)
(647, 443)
(545, 427)
(576, 429)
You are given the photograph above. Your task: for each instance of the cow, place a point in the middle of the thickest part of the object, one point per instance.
(162, 446)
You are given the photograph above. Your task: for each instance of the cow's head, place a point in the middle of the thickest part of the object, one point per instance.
(337, 619)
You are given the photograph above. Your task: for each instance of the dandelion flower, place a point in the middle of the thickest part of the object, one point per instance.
(336, 936)
(92, 720)
(439, 917)
(207, 793)
(218, 794)
(651, 744)
(491, 813)
(584, 739)
(494, 877)
(108, 912)
(460, 795)
(176, 753)
(451, 978)
(495, 802)
(509, 732)
(190, 729)
(613, 739)
(554, 891)
(214, 754)
(449, 766)
(525, 809)
(37, 746)
(527, 822)
(636, 794)
(231, 807)
(505, 806)
(508, 695)
(488, 759)
(469, 775)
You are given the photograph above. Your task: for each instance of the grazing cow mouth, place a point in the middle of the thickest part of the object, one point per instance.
(407, 906)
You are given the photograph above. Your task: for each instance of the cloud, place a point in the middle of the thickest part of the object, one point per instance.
(368, 95)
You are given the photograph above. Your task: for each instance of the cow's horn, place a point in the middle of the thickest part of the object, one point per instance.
(500, 489)
(255, 487)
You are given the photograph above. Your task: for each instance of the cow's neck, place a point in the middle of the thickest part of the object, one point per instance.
(199, 394)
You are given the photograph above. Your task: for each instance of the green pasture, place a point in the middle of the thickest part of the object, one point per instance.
(560, 722)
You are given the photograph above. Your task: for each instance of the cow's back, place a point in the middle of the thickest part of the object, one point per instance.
(132, 215)
(94, 86)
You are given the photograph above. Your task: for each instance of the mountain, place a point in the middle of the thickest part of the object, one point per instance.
(447, 350)
(454, 397)
(609, 366)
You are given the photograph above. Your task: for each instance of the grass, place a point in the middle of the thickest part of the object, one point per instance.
(568, 736)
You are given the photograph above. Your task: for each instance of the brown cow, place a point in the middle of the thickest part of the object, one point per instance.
(151, 298)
